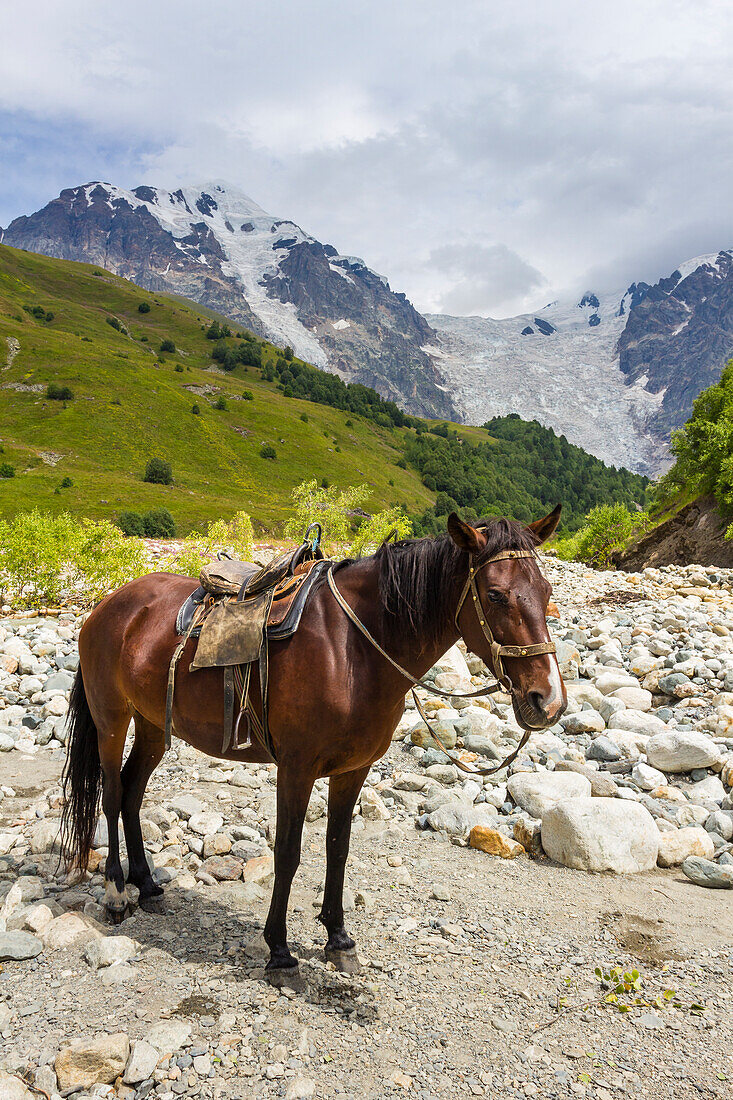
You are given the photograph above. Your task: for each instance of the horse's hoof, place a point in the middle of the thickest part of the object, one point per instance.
(153, 904)
(285, 977)
(346, 961)
(116, 915)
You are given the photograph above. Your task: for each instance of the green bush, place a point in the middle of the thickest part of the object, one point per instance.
(178, 368)
(45, 557)
(114, 323)
(247, 395)
(144, 307)
(304, 417)
(196, 410)
(7, 470)
(268, 451)
(345, 523)
(158, 472)
(288, 353)
(55, 392)
(67, 483)
(167, 346)
(607, 528)
(221, 404)
(235, 535)
(158, 523)
(131, 524)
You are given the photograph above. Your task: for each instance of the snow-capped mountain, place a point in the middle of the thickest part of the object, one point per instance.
(614, 373)
(216, 246)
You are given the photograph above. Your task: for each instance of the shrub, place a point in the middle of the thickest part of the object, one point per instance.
(167, 346)
(338, 512)
(49, 316)
(55, 392)
(214, 331)
(607, 528)
(67, 483)
(158, 472)
(131, 524)
(144, 307)
(268, 451)
(247, 395)
(304, 417)
(178, 368)
(235, 535)
(7, 470)
(115, 324)
(42, 557)
(195, 409)
(288, 353)
(158, 523)
(221, 404)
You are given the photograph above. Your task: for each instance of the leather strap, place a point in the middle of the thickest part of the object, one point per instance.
(228, 708)
(195, 619)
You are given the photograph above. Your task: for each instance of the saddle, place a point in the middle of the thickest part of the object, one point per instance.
(235, 612)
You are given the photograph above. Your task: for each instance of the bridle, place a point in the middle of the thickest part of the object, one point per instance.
(496, 650)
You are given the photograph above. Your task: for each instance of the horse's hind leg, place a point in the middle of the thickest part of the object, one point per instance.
(144, 757)
(111, 747)
(343, 791)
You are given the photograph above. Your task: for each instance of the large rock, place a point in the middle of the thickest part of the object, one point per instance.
(88, 1062)
(12, 1088)
(677, 844)
(494, 843)
(681, 750)
(599, 834)
(109, 950)
(636, 720)
(538, 792)
(168, 1036)
(458, 820)
(635, 697)
(144, 1058)
(703, 872)
(585, 721)
(612, 679)
(19, 945)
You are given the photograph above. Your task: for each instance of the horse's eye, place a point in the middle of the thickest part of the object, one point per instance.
(495, 596)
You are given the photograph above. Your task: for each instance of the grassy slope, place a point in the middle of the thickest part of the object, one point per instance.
(104, 445)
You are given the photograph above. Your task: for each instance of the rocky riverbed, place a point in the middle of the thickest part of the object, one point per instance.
(481, 907)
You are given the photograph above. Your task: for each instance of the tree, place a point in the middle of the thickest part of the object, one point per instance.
(168, 346)
(158, 472)
(144, 307)
(55, 392)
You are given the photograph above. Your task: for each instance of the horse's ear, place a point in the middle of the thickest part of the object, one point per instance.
(464, 535)
(543, 528)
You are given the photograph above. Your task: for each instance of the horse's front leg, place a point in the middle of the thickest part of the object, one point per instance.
(343, 791)
(293, 793)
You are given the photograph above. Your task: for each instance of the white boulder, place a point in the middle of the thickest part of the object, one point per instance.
(681, 750)
(538, 792)
(601, 834)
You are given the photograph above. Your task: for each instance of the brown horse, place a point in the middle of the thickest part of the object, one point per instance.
(334, 699)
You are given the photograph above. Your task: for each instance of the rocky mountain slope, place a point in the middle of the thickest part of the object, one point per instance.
(615, 373)
(695, 533)
(215, 245)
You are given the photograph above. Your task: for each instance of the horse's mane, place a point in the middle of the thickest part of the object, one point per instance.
(418, 577)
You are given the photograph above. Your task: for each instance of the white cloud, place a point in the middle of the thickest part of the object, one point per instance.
(580, 141)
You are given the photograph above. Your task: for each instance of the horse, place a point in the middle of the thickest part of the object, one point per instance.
(336, 695)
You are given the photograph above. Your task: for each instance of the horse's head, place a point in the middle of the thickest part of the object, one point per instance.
(502, 615)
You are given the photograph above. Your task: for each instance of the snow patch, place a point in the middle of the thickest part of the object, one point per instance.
(341, 324)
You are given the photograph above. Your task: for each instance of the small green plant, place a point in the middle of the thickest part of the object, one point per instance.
(304, 417)
(196, 410)
(178, 368)
(158, 472)
(247, 395)
(167, 346)
(221, 404)
(55, 392)
(144, 307)
(268, 451)
(67, 483)
(7, 470)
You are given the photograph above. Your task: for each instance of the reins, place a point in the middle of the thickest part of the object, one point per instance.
(497, 651)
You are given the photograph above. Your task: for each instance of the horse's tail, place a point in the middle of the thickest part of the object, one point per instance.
(81, 780)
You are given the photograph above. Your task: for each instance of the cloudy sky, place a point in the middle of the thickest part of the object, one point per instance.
(485, 155)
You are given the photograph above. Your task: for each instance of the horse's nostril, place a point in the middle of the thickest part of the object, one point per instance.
(537, 700)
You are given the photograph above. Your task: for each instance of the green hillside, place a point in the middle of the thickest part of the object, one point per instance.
(146, 373)
(131, 403)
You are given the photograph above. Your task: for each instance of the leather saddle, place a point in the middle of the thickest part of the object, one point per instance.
(235, 612)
